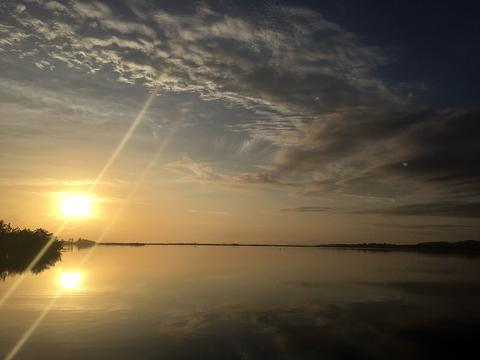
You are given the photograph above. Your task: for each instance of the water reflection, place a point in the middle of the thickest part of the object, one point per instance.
(314, 330)
(241, 303)
(18, 248)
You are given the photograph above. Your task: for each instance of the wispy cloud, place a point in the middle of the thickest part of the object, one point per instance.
(284, 62)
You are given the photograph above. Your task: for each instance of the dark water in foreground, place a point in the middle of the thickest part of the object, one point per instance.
(246, 303)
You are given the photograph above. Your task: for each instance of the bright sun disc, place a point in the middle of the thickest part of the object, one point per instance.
(77, 206)
(70, 280)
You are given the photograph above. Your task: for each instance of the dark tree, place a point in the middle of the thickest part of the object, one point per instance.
(19, 247)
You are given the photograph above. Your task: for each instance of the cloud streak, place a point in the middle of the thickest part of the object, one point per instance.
(447, 208)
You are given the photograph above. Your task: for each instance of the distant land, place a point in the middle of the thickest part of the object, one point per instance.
(459, 247)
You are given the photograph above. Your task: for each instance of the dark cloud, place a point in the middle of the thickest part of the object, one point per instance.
(442, 148)
(438, 227)
(388, 154)
(453, 209)
(436, 288)
(447, 208)
(341, 136)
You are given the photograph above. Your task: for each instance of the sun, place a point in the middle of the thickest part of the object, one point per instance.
(70, 280)
(77, 206)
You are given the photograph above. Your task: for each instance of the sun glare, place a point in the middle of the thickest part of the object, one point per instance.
(77, 206)
(70, 280)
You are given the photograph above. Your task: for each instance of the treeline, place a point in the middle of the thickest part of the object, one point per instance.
(80, 243)
(467, 247)
(19, 247)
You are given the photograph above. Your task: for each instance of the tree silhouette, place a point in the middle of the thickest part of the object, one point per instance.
(18, 247)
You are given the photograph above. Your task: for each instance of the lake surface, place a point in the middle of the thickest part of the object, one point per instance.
(245, 303)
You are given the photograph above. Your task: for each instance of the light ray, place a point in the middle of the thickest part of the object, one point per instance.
(100, 176)
(146, 171)
(26, 335)
(125, 139)
(114, 220)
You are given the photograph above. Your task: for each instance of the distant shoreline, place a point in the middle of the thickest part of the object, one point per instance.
(460, 247)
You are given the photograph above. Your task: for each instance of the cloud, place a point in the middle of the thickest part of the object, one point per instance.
(428, 155)
(446, 290)
(55, 6)
(247, 145)
(447, 208)
(260, 179)
(124, 27)
(20, 8)
(93, 9)
(60, 110)
(387, 154)
(10, 36)
(306, 209)
(287, 67)
(190, 169)
(203, 172)
(439, 227)
(291, 60)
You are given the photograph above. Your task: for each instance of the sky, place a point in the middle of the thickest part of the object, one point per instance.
(242, 121)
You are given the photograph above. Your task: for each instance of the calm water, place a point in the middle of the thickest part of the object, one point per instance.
(246, 303)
